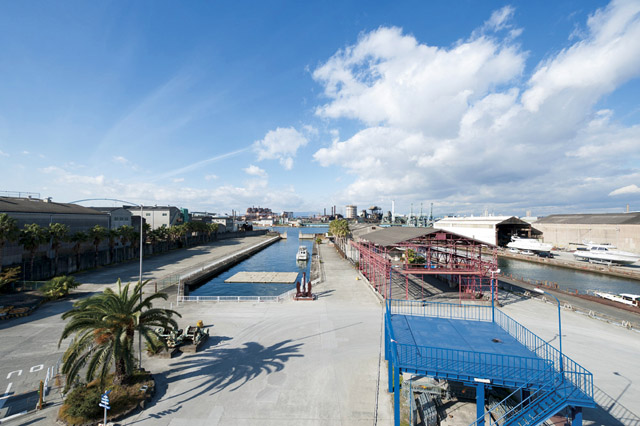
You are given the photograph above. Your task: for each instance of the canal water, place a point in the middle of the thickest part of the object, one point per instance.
(568, 279)
(278, 257)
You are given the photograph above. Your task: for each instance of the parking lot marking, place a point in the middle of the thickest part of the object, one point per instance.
(16, 371)
(33, 369)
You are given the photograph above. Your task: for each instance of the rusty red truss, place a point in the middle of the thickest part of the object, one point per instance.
(456, 259)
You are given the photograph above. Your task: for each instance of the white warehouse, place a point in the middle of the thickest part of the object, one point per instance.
(496, 230)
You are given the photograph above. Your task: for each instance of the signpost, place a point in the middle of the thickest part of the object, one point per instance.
(104, 402)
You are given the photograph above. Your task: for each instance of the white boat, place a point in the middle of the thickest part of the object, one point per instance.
(605, 254)
(626, 298)
(302, 254)
(530, 244)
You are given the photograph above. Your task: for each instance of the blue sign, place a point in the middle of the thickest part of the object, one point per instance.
(104, 400)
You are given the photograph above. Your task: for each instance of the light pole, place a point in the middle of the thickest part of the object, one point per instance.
(541, 291)
(140, 278)
(493, 308)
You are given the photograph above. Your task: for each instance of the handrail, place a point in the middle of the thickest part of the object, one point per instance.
(573, 372)
(439, 310)
(579, 376)
(502, 403)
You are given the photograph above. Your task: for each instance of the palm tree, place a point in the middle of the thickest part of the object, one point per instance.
(127, 234)
(9, 232)
(112, 235)
(58, 233)
(104, 327)
(77, 239)
(96, 235)
(31, 237)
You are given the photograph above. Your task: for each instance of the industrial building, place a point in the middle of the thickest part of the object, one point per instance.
(158, 216)
(567, 230)
(494, 230)
(118, 216)
(351, 212)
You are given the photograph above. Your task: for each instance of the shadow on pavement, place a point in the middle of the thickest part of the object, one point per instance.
(230, 367)
(610, 411)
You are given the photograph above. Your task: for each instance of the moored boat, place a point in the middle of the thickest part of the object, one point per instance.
(302, 254)
(605, 254)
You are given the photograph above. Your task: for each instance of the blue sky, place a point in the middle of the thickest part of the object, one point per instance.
(473, 106)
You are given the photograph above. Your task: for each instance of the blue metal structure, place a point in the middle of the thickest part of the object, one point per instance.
(483, 347)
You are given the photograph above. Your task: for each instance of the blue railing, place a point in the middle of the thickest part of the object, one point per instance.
(547, 354)
(469, 364)
(439, 310)
(504, 412)
(573, 372)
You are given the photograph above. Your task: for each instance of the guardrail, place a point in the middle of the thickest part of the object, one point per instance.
(439, 310)
(207, 299)
(573, 372)
(579, 376)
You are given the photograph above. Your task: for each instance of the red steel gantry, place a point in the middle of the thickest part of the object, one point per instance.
(451, 257)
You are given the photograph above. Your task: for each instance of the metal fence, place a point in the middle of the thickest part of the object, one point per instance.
(216, 299)
(27, 285)
(439, 310)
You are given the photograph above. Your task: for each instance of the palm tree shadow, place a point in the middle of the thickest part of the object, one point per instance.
(231, 367)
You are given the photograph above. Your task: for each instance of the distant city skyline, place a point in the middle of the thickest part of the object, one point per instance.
(299, 106)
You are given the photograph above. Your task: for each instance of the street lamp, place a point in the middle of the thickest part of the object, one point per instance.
(493, 277)
(541, 291)
(141, 208)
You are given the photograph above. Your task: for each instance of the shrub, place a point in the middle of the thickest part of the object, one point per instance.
(59, 287)
(82, 402)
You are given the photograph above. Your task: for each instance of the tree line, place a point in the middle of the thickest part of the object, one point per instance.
(33, 237)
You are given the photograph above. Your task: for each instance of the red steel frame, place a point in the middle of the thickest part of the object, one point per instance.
(451, 257)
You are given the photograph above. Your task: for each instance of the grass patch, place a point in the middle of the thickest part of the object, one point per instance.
(81, 404)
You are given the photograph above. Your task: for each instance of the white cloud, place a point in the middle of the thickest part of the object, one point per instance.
(64, 185)
(177, 180)
(120, 160)
(3, 154)
(629, 189)
(210, 177)
(255, 171)
(281, 144)
(459, 125)
(389, 78)
(25, 152)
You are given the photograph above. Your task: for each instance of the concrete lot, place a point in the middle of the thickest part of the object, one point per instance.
(291, 363)
(608, 351)
(29, 345)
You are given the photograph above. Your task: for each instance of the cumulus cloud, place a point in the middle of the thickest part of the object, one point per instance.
(211, 177)
(255, 171)
(629, 189)
(281, 144)
(177, 180)
(463, 125)
(3, 154)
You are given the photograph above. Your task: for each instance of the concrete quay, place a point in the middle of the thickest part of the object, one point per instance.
(302, 363)
(29, 345)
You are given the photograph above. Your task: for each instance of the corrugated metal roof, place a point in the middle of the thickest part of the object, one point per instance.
(476, 220)
(396, 234)
(32, 205)
(592, 219)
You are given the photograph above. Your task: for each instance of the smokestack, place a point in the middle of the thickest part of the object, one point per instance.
(627, 208)
(393, 211)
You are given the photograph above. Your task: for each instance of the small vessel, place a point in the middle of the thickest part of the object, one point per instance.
(302, 254)
(527, 252)
(605, 254)
(530, 244)
(626, 298)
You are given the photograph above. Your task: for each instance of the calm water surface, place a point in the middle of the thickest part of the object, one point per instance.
(568, 279)
(278, 257)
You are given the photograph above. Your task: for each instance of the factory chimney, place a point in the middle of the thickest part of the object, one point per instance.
(393, 211)
(627, 207)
